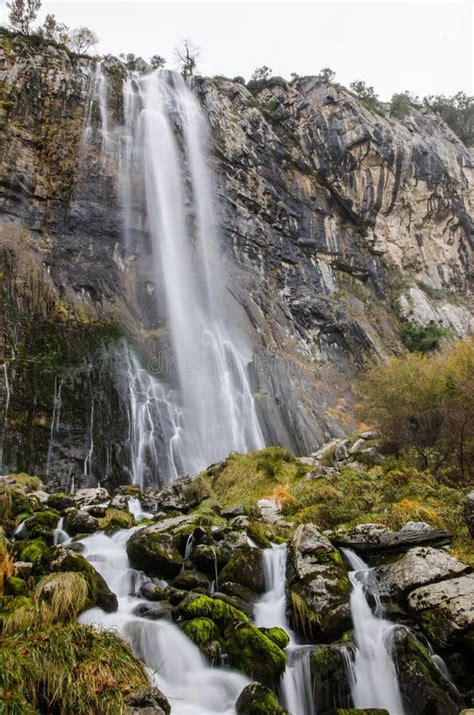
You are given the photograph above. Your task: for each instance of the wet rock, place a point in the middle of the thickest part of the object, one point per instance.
(420, 566)
(256, 699)
(39, 526)
(202, 631)
(151, 591)
(239, 603)
(318, 586)
(61, 558)
(154, 552)
(61, 501)
(119, 501)
(210, 558)
(371, 539)
(424, 688)
(445, 610)
(153, 611)
(94, 495)
(200, 606)
(469, 513)
(182, 494)
(77, 521)
(188, 580)
(246, 568)
(330, 683)
(149, 698)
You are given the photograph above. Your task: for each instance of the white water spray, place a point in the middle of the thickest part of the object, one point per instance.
(7, 392)
(372, 673)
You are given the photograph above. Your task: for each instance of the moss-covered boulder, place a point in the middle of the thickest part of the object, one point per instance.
(201, 631)
(39, 525)
(30, 551)
(77, 521)
(215, 609)
(15, 586)
(60, 558)
(190, 579)
(256, 699)
(319, 588)
(210, 557)
(256, 655)
(115, 519)
(154, 552)
(424, 689)
(245, 567)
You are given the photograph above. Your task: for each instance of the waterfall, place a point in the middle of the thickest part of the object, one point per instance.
(372, 672)
(210, 401)
(296, 689)
(175, 664)
(7, 391)
(54, 422)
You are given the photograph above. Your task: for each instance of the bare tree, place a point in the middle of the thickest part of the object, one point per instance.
(82, 39)
(22, 13)
(187, 55)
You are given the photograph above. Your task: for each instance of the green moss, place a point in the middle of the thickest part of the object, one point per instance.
(212, 608)
(256, 699)
(201, 631)
(256, 655)
(26, 482)
(15, 586)
(279, 636)
(30, 551)
(116, 519)
(421, 338)
(47, 518)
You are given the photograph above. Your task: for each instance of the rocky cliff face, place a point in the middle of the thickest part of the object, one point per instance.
(336, 224)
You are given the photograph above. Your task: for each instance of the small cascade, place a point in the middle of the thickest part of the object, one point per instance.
(175, 664)
(55, 420)
(296, 689)
(60, 536)
(371, 668)
(88, 458)
(7, 393)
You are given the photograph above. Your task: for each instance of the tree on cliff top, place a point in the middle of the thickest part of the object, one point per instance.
(22, 13)
(187, 55)
(81, 40)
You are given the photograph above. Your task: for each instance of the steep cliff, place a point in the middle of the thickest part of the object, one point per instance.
(336, 223)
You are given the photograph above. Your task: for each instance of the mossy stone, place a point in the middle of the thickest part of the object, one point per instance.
(154, 553)
(245, 567)
(30, 551)
(277, 635)
(15, 586)
(252, 652)
(256, 699)
(115, 519)
(201, 631)
(215, 609)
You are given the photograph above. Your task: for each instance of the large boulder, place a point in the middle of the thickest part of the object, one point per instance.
(375, 539)
(39, 526)
(181, 494)
(150, 698)
(62, 558)
(419, 567)
(77, 521)
(155, 553)
(318, 586)
(446, 611)
(256, 699)
(93, 495)
(425, 690)
(246, 568)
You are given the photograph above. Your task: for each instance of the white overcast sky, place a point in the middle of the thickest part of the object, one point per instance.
(424, 46)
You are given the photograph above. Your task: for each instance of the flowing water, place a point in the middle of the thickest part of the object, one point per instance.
(296, 689)
(175, 663)
(372, 672)
(210, 405)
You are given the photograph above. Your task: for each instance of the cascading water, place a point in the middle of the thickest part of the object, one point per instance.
(295, 691)
(211, 404)
(4, 416)
(372, 672)
(174, 662)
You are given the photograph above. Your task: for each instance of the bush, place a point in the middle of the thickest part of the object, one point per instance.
(457, 112)
(425, 403)
(400, 104)
(421, 338)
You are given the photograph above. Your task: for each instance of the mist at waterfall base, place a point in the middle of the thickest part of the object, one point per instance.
(184, 422)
